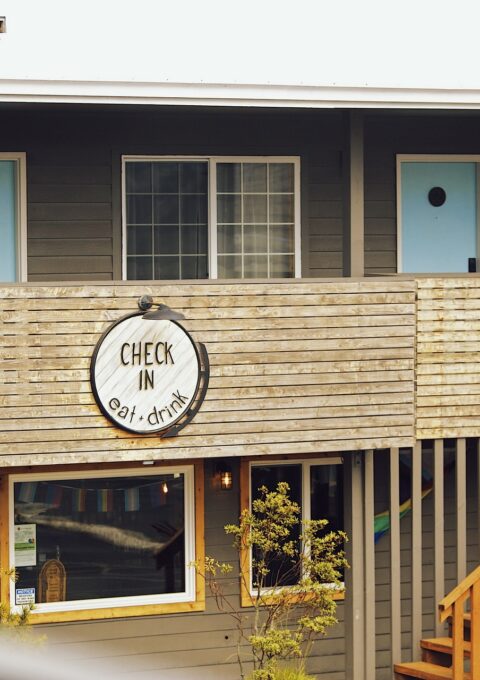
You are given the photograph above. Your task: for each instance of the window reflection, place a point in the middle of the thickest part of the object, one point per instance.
(115, 537)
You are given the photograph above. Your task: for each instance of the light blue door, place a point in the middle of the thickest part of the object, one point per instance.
(8, 221)
(438, 214)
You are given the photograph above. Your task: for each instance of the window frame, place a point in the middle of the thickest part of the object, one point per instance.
(247, 592)
(192, 599)
(20, 159)
(212, 162)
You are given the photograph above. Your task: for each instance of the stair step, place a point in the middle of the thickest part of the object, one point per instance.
(443, 644)
(426, 671)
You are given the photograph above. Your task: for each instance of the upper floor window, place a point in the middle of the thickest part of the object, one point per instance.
(211, 217)
(12, 217)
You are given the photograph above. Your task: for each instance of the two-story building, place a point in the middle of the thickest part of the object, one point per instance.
(319, 245)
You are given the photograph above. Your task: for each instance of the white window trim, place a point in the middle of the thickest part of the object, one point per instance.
(431, 158)
(104, 603)
(20, 157)
(306, 464)
(212, 203)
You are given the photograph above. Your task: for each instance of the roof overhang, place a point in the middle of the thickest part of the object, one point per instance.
(218, 94)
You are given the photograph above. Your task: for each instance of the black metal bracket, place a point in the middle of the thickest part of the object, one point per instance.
(199, 397)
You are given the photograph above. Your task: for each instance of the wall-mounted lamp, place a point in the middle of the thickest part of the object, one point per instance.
(224, 474)
(226, 479)
(162, 311)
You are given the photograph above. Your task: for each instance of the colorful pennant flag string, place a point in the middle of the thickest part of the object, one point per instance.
(27, 492)
(132, 499)
(79, 497)
(54, 495)
(104, 500)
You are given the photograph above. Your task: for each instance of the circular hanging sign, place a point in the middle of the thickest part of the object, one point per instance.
(145, 373)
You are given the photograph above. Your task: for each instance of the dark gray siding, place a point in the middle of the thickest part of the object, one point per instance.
(382, 557)
(387, 135)
(193, 646)
(73, 165)
(73, 168)
(324, 212)
(69, 217)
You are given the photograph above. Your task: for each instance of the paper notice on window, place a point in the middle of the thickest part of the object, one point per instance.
(25, 545)
(24, 595)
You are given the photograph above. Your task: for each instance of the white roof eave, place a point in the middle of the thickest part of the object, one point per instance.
(218, 94)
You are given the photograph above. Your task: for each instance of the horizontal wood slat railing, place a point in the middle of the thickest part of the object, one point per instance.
(295, 367)
(453, 605)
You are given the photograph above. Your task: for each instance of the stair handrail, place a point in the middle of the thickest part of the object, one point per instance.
(453, 605)
(445, 605)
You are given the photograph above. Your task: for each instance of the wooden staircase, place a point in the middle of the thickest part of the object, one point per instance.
(456, 657)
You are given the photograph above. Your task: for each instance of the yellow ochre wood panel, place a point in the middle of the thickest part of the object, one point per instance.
(448, 357)
(295, 366)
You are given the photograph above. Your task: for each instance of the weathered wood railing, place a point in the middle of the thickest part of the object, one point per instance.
(453, 605)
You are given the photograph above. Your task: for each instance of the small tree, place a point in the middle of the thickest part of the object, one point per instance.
(284, 550)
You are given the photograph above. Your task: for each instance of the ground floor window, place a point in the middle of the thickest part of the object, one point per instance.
(93, 540)
(315, 484)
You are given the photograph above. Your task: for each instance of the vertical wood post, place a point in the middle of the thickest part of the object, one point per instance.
(457, 644)
(369, 529)
(438, 524)
(354, 577)
(353, 223)
(461, 502)
(416, 550)
(477, 487)
(5, 581)
(475, 630)
(395, 571)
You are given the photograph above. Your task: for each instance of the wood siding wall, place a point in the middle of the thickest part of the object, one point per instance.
(192, 646)
(73, 174)
(296, 367)
(448, 358)
(383, 556)
(74, 164)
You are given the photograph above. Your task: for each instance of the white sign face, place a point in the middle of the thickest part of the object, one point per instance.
(145, 374)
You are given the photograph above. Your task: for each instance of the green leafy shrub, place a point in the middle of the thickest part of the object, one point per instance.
(14, 623)
(287, 619)
(289, 674)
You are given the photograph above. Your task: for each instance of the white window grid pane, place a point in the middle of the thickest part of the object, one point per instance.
(211, 257)
(243, 223)
(179, 223)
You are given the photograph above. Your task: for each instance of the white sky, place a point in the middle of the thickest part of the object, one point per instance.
(407, 43)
